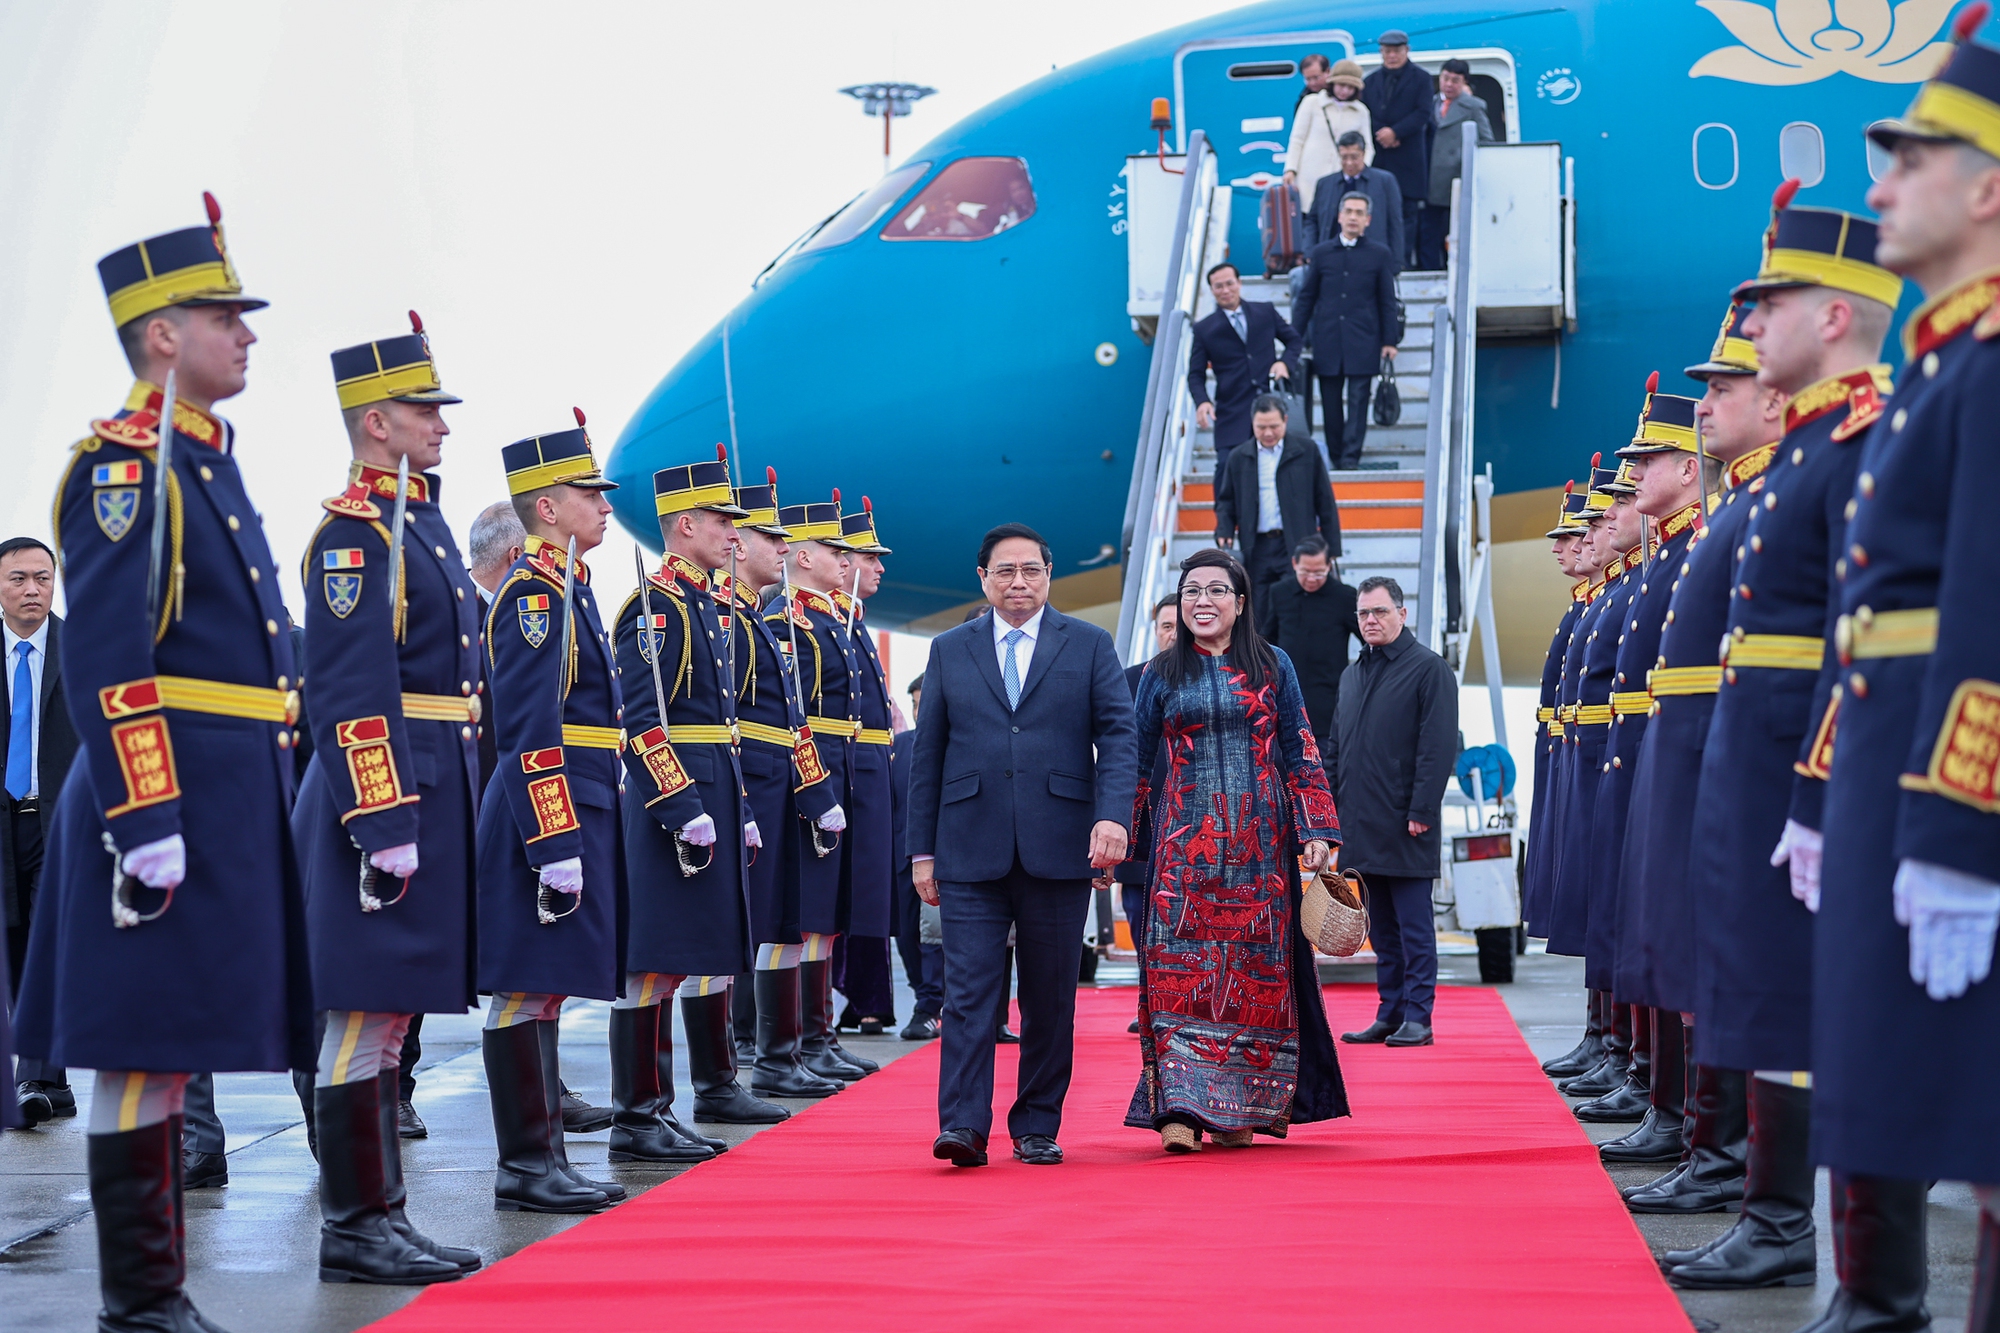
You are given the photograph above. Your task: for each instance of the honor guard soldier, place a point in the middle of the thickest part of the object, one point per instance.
(1737, 418)
(551, 875)
(1822, 309)
(819, 566)
(688, 835)
(790, 797)
(388, 800)
(870, 861)
(184, 687)
(1908, 1089)
(1666, 481)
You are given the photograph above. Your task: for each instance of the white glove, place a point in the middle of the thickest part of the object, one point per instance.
(400, 862)
(1952, 917)
(751, 837)
(564, 876)
(1802, 847)
(833, 821)
(699, 832)
(158, 865)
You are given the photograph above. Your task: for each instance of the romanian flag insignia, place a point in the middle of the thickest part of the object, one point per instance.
(534, 613)
(345, 557)
(116, 474)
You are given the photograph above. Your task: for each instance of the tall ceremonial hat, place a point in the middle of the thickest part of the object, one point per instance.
(1820, 247)
(1961, 103)
(760, 506)
(398, 369)
(558, 459)
(815, 522)
(691, 486)
(1598, 499)
(1734, 353)
(858, 530)
(1569, 514)
(1666, 423)
(186, 267)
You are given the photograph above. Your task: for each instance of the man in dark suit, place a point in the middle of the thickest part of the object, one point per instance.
(1385, 218)
(1398, 97)
(1240, 339)
(1311, 616)
(1272, 498)
(1453, 105)
(1348, 309)
(924, 963)
(1010, 812)
(36, 736)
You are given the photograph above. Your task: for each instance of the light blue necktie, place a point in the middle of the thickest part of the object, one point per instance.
(21, 727)
(1012, 676)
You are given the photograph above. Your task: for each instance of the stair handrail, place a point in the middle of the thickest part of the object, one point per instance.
(1437, 428)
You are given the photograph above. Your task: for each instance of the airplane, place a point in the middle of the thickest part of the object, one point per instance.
(974, 361)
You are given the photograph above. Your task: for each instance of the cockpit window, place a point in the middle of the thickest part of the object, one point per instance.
(973, 198)
(866, 210)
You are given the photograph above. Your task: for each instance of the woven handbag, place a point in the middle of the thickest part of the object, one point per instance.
(1332, 913)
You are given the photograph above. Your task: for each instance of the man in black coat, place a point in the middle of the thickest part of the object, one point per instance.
(1273, 497)
(1311, 616)
(1385, 218)
(38, 757)
(1349, 311)
(1398, 98)
(1394, 740)
(1241, 340)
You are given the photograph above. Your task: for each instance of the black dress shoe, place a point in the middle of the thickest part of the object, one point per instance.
(921, 1027)
(580, 1117)
(34, 1104)
(872, 1027)
(1006, 1036)
(960, 1147)
(1411, 1033)
(1624, 1104)
(1135, 1026)
(1378, 1031)
(203, 1170)
(1652, 1141)
(1037, 1150)
(62, 1097)
(410, 1125)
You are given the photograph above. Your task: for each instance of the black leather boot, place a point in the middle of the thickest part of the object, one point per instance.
(557, 1097)
(528, 1178)
(816, 1047)
(743, 1018)
(394, 1193)
(638, 1134)
(1581, 1058)
(1659, 1137)
(1710, 1179)
(777, 1071)
(862, 1063)
(1608, 1073)
(1629, 1100)
(141, 1260)
(1984, 1317)
(1772, 1243)
(1879, 1251)
(356, 1242)
(718, 1096)
(665, 1060)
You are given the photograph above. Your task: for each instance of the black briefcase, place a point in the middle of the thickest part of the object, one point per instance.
(1388, 401)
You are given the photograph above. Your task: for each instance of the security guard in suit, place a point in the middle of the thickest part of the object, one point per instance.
(688, 833)
(181, 792)
(1737, 418)
(789, 794)
(864, 976)
(1907, 1088)
(552, 888)
(388, 799)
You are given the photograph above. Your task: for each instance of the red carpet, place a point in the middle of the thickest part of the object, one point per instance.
(1460, 1196)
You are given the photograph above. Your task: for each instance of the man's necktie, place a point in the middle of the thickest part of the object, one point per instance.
(1012, 676)
(1236, 322)
(21, 726)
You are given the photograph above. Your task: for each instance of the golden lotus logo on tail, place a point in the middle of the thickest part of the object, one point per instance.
(1804, 41)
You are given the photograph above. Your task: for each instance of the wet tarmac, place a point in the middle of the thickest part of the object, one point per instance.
(252, 1246)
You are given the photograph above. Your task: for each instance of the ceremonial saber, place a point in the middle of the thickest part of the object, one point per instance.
(543, 893)
(163, 460)
(646, 606)
(396, 520)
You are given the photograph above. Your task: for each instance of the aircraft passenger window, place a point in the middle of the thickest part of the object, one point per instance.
(866, 210)
(1879, 160)
(970, 200)
(1802, 153)
(1264, 69)
(1715, 156)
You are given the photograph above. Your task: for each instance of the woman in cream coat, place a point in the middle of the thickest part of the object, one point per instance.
(1318, 124)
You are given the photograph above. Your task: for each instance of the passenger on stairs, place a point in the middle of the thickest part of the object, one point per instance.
(1271, 498)
(1348, 311)
(1311, 616)
(1240, 341)
(1354, 176)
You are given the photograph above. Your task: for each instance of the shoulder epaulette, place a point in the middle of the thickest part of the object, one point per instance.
(352, 503)
(134, 432)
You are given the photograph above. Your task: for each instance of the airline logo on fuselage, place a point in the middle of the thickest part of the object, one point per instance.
(1789, 43)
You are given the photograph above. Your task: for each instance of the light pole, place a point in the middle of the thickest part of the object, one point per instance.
(887, 100)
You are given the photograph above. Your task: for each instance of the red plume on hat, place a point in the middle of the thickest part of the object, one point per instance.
(1781, 199)
(771, 475)
(214, 209)
(1653, 382)
(416, 322)
(868, 505)
(721, 452)
(1596, 459)
(836, 497)
(1970, 20)
(1569, 488)
(579, 417)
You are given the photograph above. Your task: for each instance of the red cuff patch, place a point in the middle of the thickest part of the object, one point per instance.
(146, 761)
(540, 761)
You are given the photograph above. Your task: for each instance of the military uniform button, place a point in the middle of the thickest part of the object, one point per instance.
(465, 687)
(1739, 552)
(1635, 625)
(1930, 364)
(1858, 683)
(439, 550)
(1771, 501)
(1798, 457)
(284, 739)
(460, 592)
(1840, 569)
(1756, 543)
(233, 524)
(466, 732)
(271, 628)
(1676, 587)
(1902, 415)
(465, 640)
(1607, 768)
(1744, 589)
(1684, 566)
(206, 475)
(256, 575)
(1618, 761)
(1848, 513)
(1738, 633)
(480, 688)
(1670, 617)
(1859, 556)
(1729, 674)
(1865, 483)
(284, 683)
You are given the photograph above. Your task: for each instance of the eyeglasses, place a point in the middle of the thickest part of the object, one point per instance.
(1004, 574)
(1214, 592)
(1376, 612)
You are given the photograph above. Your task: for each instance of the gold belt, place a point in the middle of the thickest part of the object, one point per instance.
(593, 738)
(698, 734)
(441, 707)
(1627, 703)
(1593, 715)
(844, 727)
(1866, 633)
(1555, 728)
(1665, 681)
(1545, 715)
(1784, 652)
(873, 736)
(757, 731)
(1567, 713)
(258, 703)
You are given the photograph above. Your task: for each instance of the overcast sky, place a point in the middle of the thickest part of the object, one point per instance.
(569, 194)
